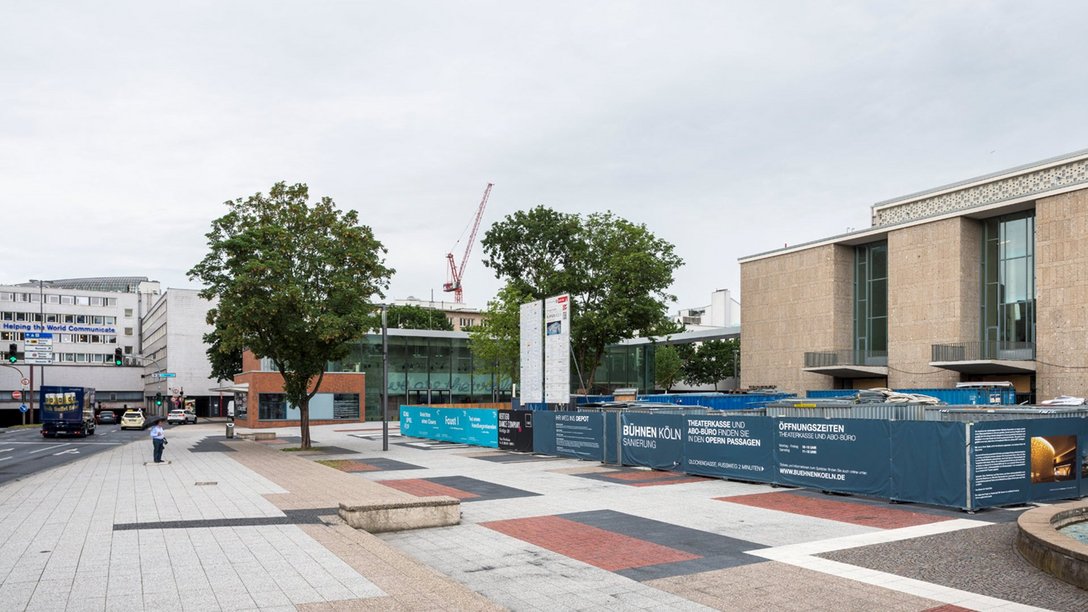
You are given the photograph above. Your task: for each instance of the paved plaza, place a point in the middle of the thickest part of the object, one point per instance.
(252, 525)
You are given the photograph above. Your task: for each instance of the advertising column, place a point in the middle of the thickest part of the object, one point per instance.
(557, 349)
(532, 353)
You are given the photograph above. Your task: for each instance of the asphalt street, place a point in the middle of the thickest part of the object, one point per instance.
(23, 451)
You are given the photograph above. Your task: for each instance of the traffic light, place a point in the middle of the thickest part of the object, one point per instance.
(13, 353)
(118, 357)
(158, 399)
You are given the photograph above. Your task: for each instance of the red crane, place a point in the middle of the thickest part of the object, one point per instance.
(454, 284)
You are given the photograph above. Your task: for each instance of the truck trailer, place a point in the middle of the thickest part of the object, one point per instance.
(66, 411)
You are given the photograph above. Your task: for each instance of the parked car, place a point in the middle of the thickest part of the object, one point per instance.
(176, 417)
(133, 419)
(107, 417)
(190, 416)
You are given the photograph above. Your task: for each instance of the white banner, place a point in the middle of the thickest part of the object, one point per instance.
(557, 349)
(532, 353)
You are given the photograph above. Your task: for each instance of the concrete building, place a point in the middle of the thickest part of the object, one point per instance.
(173, 344)
(88, 318)
(462, 317)
(982, 280)
(722, 311)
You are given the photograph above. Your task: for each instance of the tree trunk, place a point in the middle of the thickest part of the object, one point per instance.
(304, 423)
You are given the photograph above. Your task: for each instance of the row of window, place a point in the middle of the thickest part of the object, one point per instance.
(76, 300)
(89, 358)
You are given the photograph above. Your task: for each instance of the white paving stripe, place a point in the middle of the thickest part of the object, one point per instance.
(801, 555)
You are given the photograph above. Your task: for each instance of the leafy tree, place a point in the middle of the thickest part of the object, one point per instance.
(667, 366)
(294, 283)
(417, 317)
(495, 342)
(615, 271)
(711, 362)
(225, 363)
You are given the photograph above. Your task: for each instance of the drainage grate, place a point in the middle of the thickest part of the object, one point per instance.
(206, 483)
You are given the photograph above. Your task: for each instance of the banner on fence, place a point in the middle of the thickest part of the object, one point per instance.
(847, 455)
(516, 430)
(472, 426)
(729, 447)
(652, 440)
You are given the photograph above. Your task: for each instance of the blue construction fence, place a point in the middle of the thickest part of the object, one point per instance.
(959, 465)
(977, 396)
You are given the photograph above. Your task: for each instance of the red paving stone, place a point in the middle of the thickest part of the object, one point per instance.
(425, 488)
(598, 547)
(847, 512)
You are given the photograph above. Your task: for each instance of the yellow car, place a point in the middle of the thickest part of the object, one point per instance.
(133, 419)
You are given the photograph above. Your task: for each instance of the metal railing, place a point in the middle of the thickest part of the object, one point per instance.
(847, 357)
(973, 351)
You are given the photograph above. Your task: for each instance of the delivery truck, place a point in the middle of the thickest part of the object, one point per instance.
(66, 411)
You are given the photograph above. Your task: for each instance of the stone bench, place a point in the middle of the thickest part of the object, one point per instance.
(400, 515)
(257, 435)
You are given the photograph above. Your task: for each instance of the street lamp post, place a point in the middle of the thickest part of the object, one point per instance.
(385, 380)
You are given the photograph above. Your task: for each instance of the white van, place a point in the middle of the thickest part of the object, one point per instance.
(230, 409)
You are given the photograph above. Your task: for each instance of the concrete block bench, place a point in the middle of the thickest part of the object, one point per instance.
(400, 515)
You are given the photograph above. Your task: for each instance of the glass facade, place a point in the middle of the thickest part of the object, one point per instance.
(871, 304)
(423, 370)
(1008, 287)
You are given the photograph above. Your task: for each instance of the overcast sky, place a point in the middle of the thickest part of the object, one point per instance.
(727, 128)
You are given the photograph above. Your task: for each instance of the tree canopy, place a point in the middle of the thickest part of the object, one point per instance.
(615, 271)
(494, 342)
(667, 366)
(295, 282)
(710, 362)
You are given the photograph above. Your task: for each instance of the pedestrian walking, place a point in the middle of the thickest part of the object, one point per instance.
(158, 439)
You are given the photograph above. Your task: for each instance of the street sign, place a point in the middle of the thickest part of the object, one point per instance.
(23, 408)
(48, 360)
(16, 395)
(166, 374)
(25, 381)
(39, 354)
(38, 339)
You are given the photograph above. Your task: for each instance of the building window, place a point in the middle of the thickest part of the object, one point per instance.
(52, 299)
(96, 301)
(128, 312)
(66, 299)
(1008, 287)
(871, 304)
(272, 407)
(345, 406)
(128, 331)
(83, 300)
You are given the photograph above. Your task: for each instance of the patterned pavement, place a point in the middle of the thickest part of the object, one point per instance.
(239, 525)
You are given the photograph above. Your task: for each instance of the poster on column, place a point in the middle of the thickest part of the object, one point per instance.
(653, 440)
(738, 447)
(999, 463)
(532, 353)
(846, 455)
(1055, 456)
(557, 349)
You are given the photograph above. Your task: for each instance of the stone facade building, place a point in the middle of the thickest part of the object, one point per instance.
(982, 280)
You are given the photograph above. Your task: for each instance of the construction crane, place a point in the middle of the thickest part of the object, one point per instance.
(456, 272)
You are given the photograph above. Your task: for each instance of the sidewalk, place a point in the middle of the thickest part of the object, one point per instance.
(241, 525)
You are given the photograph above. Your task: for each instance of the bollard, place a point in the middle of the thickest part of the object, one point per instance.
(230, 430)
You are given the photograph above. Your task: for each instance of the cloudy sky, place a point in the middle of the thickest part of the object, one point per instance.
(728, 128)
